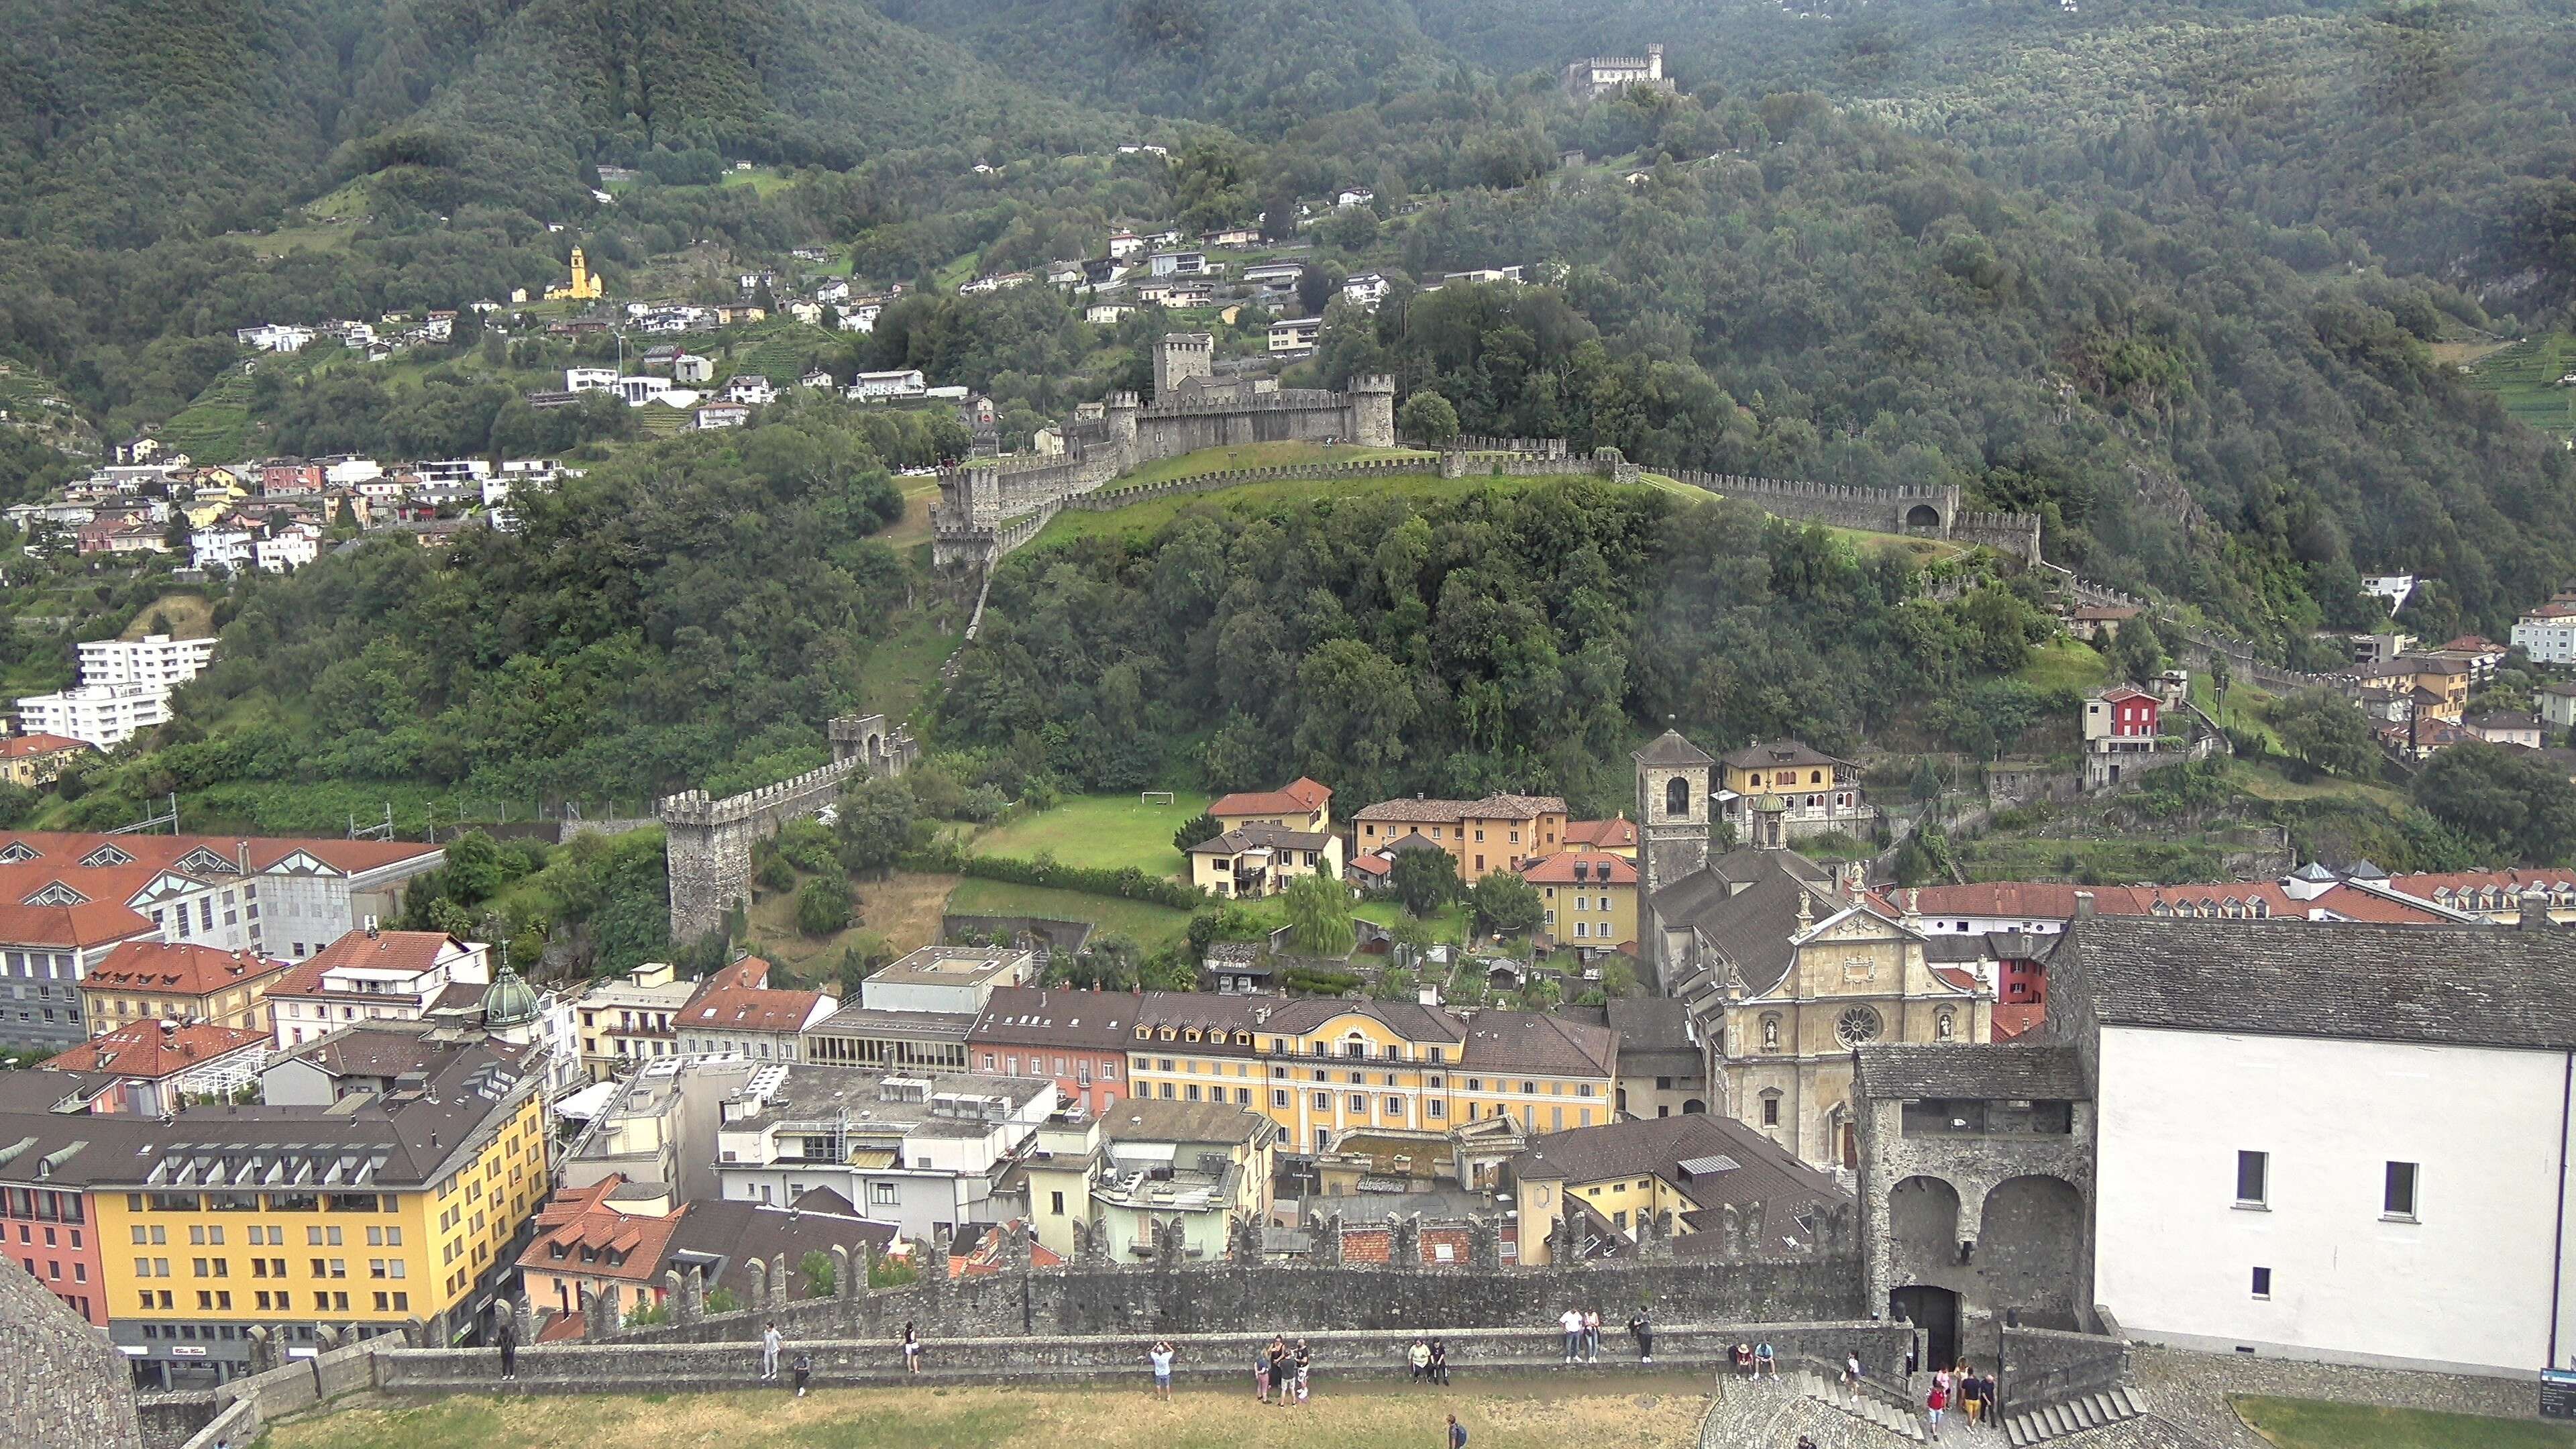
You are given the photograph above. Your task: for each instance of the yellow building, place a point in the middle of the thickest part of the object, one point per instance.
(1321, 1067)
(1590, 896)
(176, 981)
(1301, 804)
(1668, 1175)
(367, 1215)
(35, 761)
(585, 287)
(1260, 859)
(1499, 832)
(1774, 794)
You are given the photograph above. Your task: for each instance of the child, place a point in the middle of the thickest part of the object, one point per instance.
(804, 1371)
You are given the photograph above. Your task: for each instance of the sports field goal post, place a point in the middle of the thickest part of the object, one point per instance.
(1155, 797)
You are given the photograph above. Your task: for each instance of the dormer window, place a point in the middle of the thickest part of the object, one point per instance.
(1243, 1038)
(1168, 1033)
(1190, 1035)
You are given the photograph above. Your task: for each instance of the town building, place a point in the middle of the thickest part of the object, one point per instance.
(1498, 832)
(656, 1129)
(1205, 1166)
(160, 1065)
(153, 980)
(896, 1042)
(124, 690)
(2548, 633)
(1260, 859)
(1771, 795)
(737, 1013)
(957, 980)
(1295, 334)
(920, 1152)
(592, 1239)
(1663, 1070)
(1664, 1178)
(1076, 1039)
(1590, 898)
(377, 975)
(34, 761)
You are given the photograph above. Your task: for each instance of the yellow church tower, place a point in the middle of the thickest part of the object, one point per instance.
(585, 287)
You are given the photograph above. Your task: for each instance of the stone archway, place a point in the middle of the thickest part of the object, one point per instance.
(2030, 1243)
(1922, 1225)
(1923, 518)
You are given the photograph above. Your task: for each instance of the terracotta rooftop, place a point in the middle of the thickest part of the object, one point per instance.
(412, 952)
(1611, 834)
(178, 968)
(745, 1008)
(1300, 796)
(145, 1050)
(1581, 867)
(1492, 807)
(19, 747)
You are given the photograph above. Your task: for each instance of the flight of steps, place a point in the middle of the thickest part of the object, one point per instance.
(2088, 1411)
(1867, 1409)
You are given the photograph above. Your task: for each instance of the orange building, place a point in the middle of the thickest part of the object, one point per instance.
(1499, 832)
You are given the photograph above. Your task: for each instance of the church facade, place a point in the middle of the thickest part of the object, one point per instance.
(1784, 964)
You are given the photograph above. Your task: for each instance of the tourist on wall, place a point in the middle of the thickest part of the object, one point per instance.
(804, 1371)
(1765, 1362)
(769, 1342)
(1440, 1363)
(1261, 1373)
(1418, 1358)
(1305, 1361)
(1592, 1334)
(911, 1350)
(1642, 1329)
(1161, 1356)
(1572, 1322)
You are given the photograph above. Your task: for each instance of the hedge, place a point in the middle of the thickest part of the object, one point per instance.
(1127, 883)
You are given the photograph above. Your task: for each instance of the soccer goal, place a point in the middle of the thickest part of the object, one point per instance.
(1155, 797)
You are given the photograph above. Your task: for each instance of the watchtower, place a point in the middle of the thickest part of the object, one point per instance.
(1672, 810)
(1178, 358)
(1372, 409)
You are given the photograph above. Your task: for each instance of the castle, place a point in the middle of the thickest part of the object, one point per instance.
(1192, 409)
(1599, 75)
(585, 287)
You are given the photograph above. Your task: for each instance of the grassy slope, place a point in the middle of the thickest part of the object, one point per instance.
(1147, 925)
(1506, 1416)
(2310, 1424)
(1105, 832)
(2524, 377)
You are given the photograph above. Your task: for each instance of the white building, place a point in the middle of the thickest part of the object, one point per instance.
(230, 547)
(750, 388)
(924, 1152)
(290, 548)
(348, 472)
(590, 379)
(953, 979)
(2548, 633)
(376, 975)
(689, 367)
(2342, 1142)
(881, 386)
(1295, 334)
(1368, 289)
(274, 337)
(2395, 588)
(105, 715)
(152, 659)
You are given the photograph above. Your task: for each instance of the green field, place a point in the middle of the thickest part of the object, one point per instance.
(1100, 832)
(1255, 455)
(2524, 377)
(1631, 1414)
(1146, 924)
(2311, 1424)
(2063, 663)
(216, 427)
(901, 668)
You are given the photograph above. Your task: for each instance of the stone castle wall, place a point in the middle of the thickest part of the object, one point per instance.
(62, 1385)
(707, 846)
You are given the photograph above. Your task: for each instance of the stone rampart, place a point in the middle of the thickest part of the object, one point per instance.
(1879, 510)
(2016, 534)
(61, 1385)
(707, 849)
(2044, 1366)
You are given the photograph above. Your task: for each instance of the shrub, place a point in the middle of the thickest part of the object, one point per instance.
(823, 906)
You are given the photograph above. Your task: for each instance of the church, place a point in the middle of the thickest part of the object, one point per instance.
(1784, 964)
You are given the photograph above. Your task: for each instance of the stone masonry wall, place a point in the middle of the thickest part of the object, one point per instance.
(707, 848)
(61, 1385)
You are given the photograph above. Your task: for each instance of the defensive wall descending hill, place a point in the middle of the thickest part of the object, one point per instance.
(707, 850)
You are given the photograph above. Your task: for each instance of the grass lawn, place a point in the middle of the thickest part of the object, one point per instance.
(900, 912)
(2310, 1424)
(190, 617)
(1449, 923)
(918, 495)
(1143, 922)
(1103, 832)
(2063, 663)
(1255, 455)
(2524, 377)
(903, 666)
(1501, 1416)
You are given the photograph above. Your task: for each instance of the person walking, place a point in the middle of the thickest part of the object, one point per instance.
(1765, 1362)
(1457, 1433)
(1160, 1356)
(911, 1349)
(769, 1342)
(1988, 1406)
(1572, 1322)
(505, 1335)
(1971, 1396)
(1419, 1356)
(1440, 1363)
(1936, 1401)
(1852, 1372)
(1303, 1359)
(1642, 1329)
(1592, 1334)
(804, 1371)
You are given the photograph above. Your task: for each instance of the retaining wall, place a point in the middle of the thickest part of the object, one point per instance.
(2044, 1366)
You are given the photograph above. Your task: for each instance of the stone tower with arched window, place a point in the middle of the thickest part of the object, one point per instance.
(1672, 810)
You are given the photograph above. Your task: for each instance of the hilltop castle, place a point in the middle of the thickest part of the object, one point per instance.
(1192, 409)
(1599, 75)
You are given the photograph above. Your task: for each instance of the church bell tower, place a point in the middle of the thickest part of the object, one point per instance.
(1672, 811)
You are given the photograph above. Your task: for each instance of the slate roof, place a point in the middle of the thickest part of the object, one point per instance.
(1261, 835)
(1648, 1028)
(1660, 1146)
(1763, 756)
(1752, 926)
(1492, 807)
(2441, 985)
(1960, 1070)
(1669, 748)
(1037, 1016)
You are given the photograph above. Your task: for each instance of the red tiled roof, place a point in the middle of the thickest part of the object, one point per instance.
(1300, 796)
(67, 848)
(145, 1050)
(579, 1218)
(1372, 864)
(67, 927)
(1601, 834)
(744, 1008)
(750, 972)
(1558, 869)
(178, 967)
(18, 747)
(2124, 692)
(407, 951)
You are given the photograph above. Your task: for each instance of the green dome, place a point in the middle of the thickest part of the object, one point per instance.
(508, 1002)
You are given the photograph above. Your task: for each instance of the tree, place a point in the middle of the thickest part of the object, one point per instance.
(474, 869)
(1426, 417)
(1198, 828)
(2504, 798)
(875, 827)
(2137, 649)
(1395, 983)
(1505, 903)
(1315, 289)
(823, 906)
(1425, 880)
(1319, 916)
(17, 802)
(2325, 730)
(822, 1275)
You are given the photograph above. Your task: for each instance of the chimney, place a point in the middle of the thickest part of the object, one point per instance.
(2535, 909)
(2083, 905)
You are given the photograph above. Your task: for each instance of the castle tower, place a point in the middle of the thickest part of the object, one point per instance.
(1655, 62)
(1121, 413)
(1179, 357)
(1672, 810)
(1372, 408)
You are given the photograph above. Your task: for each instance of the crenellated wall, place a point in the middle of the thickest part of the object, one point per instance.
(707, 848)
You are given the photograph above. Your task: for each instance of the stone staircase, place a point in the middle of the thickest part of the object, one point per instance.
(2085, 1411)
(1868, 1408)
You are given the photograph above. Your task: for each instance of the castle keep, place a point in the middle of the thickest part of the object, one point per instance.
(979, 504)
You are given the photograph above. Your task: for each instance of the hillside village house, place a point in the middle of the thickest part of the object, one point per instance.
(1260, 859)
(167, 980)
(35, 761)
(1590, 898)
(1773, 794)
(2441, 685)
(1785, 965)
(1499, 832)
(2548, 633)
(1678, 1174)
(1617, 836)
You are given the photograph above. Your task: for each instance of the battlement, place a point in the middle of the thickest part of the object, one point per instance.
(1287, 399)
(1374, 382)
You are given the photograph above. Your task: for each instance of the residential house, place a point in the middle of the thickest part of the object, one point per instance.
(2548, 633)
(150, 980)
(920, 1152)
(1204, 1166)
(1355, 196)
(36, 760)
(289, 478)
(1367, 289)
(817, 378)
(1663, 1070)
(2122, 733)
(731, 1017)
(590, 379)
(161, 1066)
(1772, 794)
(749, 388)
(2556, 702)
(720, 415)
(377, 975)
(274, 337)
(2483, 656)
(2444, 682)
(1231, 236)
(1124, 244)
(887, 386)
(628, 1020)
(1260, 859)
(1673, 1178)
(1499, 832)
(1615, 836)
(1295, 334)
(2395, 588)
(1590, 896)
(2093, 623)
(125, 689)
(1107, 314)
(2505, 727)
(2282, 1165)
(689, 368)
(1176, 264)
(1274, 275)
(1301, 804)
(594, 1239)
